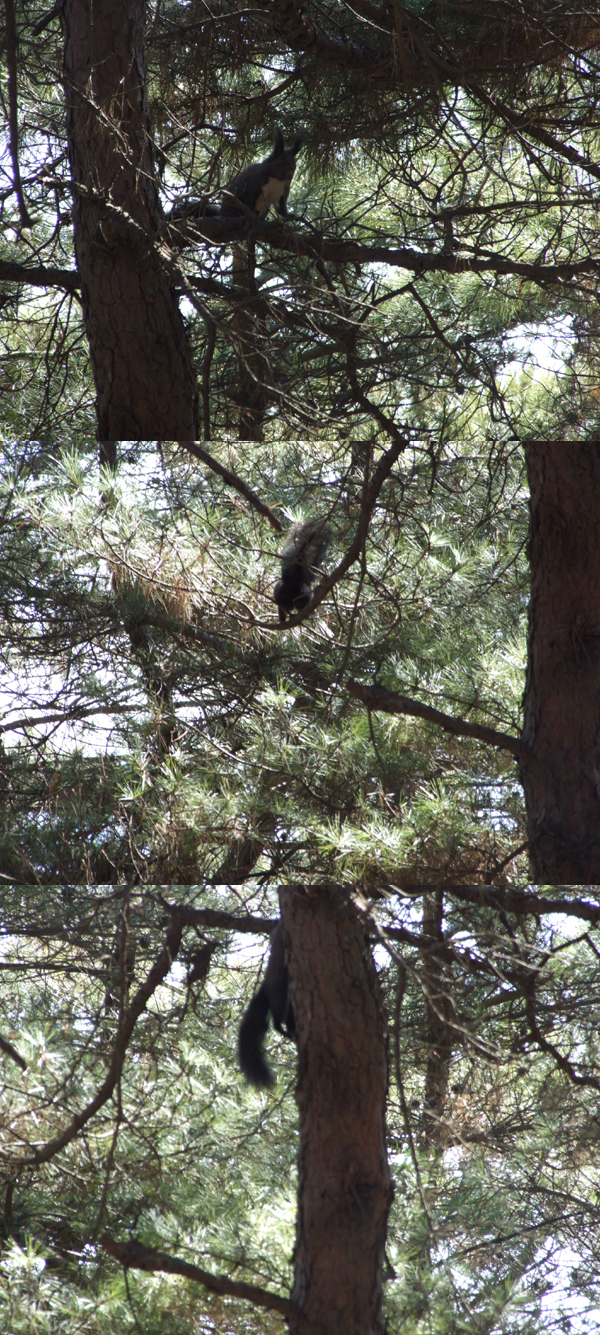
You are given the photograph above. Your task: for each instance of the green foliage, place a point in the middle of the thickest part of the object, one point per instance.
(163, 730)
(424, 158)
(496, 1233)
(183, 730)
(165, 740)
(183, 1156)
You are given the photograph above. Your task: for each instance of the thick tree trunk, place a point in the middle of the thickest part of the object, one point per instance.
(344, 1187)
(562, 695)
(145, 383)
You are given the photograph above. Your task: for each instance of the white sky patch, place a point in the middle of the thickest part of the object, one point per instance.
(32, 694)
(583, 1315)
(538, 349)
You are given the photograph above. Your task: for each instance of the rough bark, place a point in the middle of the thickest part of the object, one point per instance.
(145, 383)
(562, 696)
(344, 1187)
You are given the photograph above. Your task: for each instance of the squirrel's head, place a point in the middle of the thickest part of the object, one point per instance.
(286, 157)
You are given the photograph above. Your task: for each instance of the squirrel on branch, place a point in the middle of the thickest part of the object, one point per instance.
(258, 188)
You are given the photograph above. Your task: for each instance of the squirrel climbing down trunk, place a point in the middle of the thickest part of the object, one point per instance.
(273, 996)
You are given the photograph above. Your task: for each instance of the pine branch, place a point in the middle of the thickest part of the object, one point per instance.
(376, 697)
(232, 480)
(133, 1256)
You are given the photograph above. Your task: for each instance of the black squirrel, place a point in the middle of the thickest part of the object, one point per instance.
(273, 995)
(305, 547)
(256, 188)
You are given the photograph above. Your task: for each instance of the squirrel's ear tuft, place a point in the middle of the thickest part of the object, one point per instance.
(278, 146)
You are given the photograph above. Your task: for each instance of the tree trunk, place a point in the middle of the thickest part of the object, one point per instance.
(344, 1189)
(145, 383)
(562, 694)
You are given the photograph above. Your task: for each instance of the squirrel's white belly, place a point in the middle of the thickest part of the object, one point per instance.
(270, 195)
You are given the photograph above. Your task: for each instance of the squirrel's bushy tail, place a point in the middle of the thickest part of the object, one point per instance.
(253, 1028)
